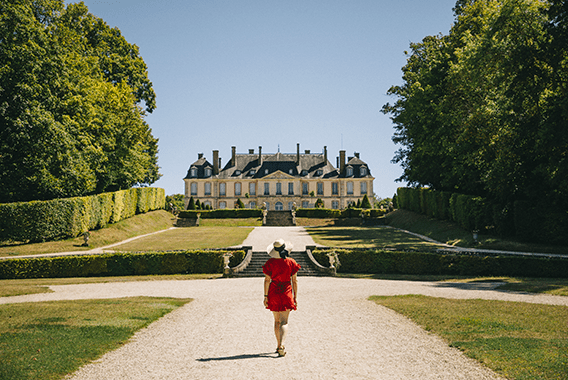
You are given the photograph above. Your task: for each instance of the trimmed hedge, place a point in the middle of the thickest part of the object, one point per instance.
(377, 261)
(118, 264)
(324, 213)
(61, 218)
(222, 213)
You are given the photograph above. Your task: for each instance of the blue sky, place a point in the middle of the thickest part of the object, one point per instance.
(274, 73)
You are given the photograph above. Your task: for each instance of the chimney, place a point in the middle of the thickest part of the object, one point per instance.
(259, 156)
(199, 156)
(341, 161)
(234, 156)
(251, 151)
(356, 154)
(337, 162)
(216, 162)
(307, 151)
(298, 154)
(325, 155)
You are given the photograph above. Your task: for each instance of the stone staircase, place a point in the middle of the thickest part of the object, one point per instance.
(254, 269)
(279, 218)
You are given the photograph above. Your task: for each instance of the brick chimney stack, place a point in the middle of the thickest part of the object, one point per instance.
(341, 162)
(215, 162)
(233, 155)
(259, 155)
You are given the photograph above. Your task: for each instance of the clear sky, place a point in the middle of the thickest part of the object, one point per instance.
(273, 73)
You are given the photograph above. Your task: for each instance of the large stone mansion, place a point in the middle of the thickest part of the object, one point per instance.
(281, 181)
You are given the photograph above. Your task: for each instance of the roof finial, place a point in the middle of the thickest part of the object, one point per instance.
(278, 148)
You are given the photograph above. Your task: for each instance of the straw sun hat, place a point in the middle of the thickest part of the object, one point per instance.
(278, 246)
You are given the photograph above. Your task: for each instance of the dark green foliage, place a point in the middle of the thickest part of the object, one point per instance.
(72, 92)
(482, 111)
(191, 205)
(319, 203)
(222, 213)
(177, 201)
(239, 203)
(60, 218)
(369, 261)
(119, 264)
(365, 203)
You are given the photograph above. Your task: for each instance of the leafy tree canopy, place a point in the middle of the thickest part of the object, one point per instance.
(73, 96)
(484, 109)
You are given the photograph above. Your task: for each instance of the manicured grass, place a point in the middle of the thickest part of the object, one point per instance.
(449, 233)
(48, 340)
(113, 233)
(517, 340)
(236, 222)
(188, 238)
(368, 237)
(10, 288)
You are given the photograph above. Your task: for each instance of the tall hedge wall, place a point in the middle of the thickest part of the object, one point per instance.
(382, 262)
(118, 264)
(60, 218)
(525, 220)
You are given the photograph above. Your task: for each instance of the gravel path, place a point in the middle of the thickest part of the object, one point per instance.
(336, 333)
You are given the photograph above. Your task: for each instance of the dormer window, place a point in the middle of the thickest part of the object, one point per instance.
(363, 171)
(193, 172)
(207, 172)
(291, 171)
(349, 171)
(304, 172)
(319, 172)
(265, 171)
(237, 172)
(252, 172)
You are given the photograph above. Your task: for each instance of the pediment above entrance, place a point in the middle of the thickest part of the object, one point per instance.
(278, 175)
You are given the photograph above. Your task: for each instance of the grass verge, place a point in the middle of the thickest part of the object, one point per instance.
(137, 225)
(48, 340)
(188, 238)
(368, 237)
(232, 222)
(10, 288)
(517, 340)
(449, 233)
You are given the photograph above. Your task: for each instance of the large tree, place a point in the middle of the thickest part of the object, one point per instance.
(73, 96)
(483, 110)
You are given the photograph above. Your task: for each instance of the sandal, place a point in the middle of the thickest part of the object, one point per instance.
(281, 352)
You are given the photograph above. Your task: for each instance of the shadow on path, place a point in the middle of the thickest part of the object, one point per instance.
(269, 355)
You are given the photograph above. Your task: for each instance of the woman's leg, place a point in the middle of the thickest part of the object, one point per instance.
(281, 326)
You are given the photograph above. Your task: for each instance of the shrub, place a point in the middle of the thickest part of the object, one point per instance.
(119, 264)
(222, 213)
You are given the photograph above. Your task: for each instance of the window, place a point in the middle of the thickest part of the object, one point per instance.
(252, 172)
(265, 171)
(363, 171)
(252, 188)
(278, 188)
(207, 203)
(320, 188)
(207, 188)
(363, 187)
(252, 204)
(266, 188)
(194, 188)
(238, 188)
(291, 171)
(279, 206)
(237, 172)
(349, 187)
(319, 172)
(334, 188)
(207, 172)
(304, 172)
(305, 204)
(290, 188)
(193, 172)
(335, 205)
(222, 189)
(349, 171)
(290, 205)
(222, 205)
(305, 188)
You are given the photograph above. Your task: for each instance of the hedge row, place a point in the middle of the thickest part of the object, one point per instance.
(324, 213)
(376, 261)
(118, 264)
(60, 218)
(222, 213)
(528, 221)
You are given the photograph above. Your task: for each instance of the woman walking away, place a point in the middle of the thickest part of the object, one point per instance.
(280, 288)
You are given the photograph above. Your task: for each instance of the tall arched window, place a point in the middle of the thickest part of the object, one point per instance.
(222, 189)
(194, 188)
(238, 188)
(279, 206)
(349, 187)
(207, 188)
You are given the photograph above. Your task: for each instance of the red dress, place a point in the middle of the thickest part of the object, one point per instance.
(280, 297)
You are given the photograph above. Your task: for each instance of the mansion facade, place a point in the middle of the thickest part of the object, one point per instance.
(280, 181)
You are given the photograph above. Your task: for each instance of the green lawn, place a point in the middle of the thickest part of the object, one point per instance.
(48, 340)
(368, 237)
(113, 233)
(518, 340)
(188, 238)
